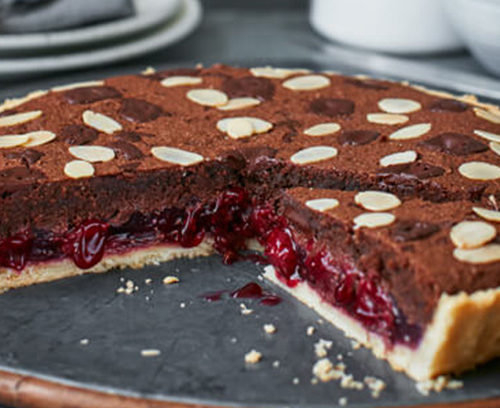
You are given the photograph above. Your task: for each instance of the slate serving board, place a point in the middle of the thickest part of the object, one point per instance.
(202, 344)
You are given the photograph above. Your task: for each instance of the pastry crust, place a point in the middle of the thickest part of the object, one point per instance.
(137, 258)
(463, 332)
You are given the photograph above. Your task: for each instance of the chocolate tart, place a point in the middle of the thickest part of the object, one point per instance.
(374, 202)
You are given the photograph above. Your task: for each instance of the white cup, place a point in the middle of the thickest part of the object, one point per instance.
(396, 26)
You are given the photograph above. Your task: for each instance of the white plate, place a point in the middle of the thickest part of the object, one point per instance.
(174, 30)
(149, 13)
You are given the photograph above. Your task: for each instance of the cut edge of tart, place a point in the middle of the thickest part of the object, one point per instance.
(66, 268)
(462, 334)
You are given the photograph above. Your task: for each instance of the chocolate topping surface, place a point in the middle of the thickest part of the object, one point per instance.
(128, 150)
(78, 134)
(449, 105)
(260, 88)
(27, 156)
(454, 143)
(418, 170)
(137, 110)
(332, 107)
(357, 137)
(90, 94)
(410, 230)
(367, 83)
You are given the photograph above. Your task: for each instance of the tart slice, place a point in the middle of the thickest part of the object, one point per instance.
(140, 169)
(417, 282)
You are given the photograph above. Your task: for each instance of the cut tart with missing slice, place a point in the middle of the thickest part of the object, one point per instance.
(375, 202)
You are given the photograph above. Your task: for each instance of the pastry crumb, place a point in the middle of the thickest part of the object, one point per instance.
(356, 345)
(129, 288)
(182, 305)
(325, 371)
(348, 382)
(342, 401)
(84, 342)
(376, 385)
(310, 330)
(295, 381)
(168, 280)
(233, 340)
(321, 347)
(438, 384)
(150, 352)
(270, 328)
(276, 363)
(148, 281)
(314, 381)
(245, 310)
(253, 357)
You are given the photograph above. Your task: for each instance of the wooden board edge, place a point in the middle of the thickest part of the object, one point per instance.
(21, 391)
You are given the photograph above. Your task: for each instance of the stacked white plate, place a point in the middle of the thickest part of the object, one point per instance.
(156, 24)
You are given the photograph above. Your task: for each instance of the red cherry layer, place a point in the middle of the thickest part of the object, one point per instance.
(229, 220)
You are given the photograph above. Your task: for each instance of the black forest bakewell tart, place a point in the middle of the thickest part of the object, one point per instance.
(374, 202)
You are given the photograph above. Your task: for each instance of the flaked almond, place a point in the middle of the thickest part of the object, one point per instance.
(176, 156)
(257, 125)
(77, 85)
(277, 73)
(495, 147)
(78, 169)
(408, 156)
(19, 118)
(476, 170)
(239, 103)
(148, 71)
(377, 200)
(374, 220)
(15, 102)
(490, 215)
(181, 80)
(399, 105)
(307, 83)
(93, 154)
(487, 254)
(322, 204)
(313, 154)
(207, 97)
(101, 122)
(39, 138)
(386, 118)
(410, 132)
(493, 137)
(487, 115)
(472, 234)
(239, 127)
(322, 129)
(7, 141)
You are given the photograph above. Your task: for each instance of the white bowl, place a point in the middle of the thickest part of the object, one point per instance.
(397, 26)
(478, 24)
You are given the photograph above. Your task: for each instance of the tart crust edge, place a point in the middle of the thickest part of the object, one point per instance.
(463, 332)
(65, 268)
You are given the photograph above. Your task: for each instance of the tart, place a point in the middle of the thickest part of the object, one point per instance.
(375, 202)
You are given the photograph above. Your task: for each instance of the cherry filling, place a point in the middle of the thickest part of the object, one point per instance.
(229, 220)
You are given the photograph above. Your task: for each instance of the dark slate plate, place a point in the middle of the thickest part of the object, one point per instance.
(200, 359)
